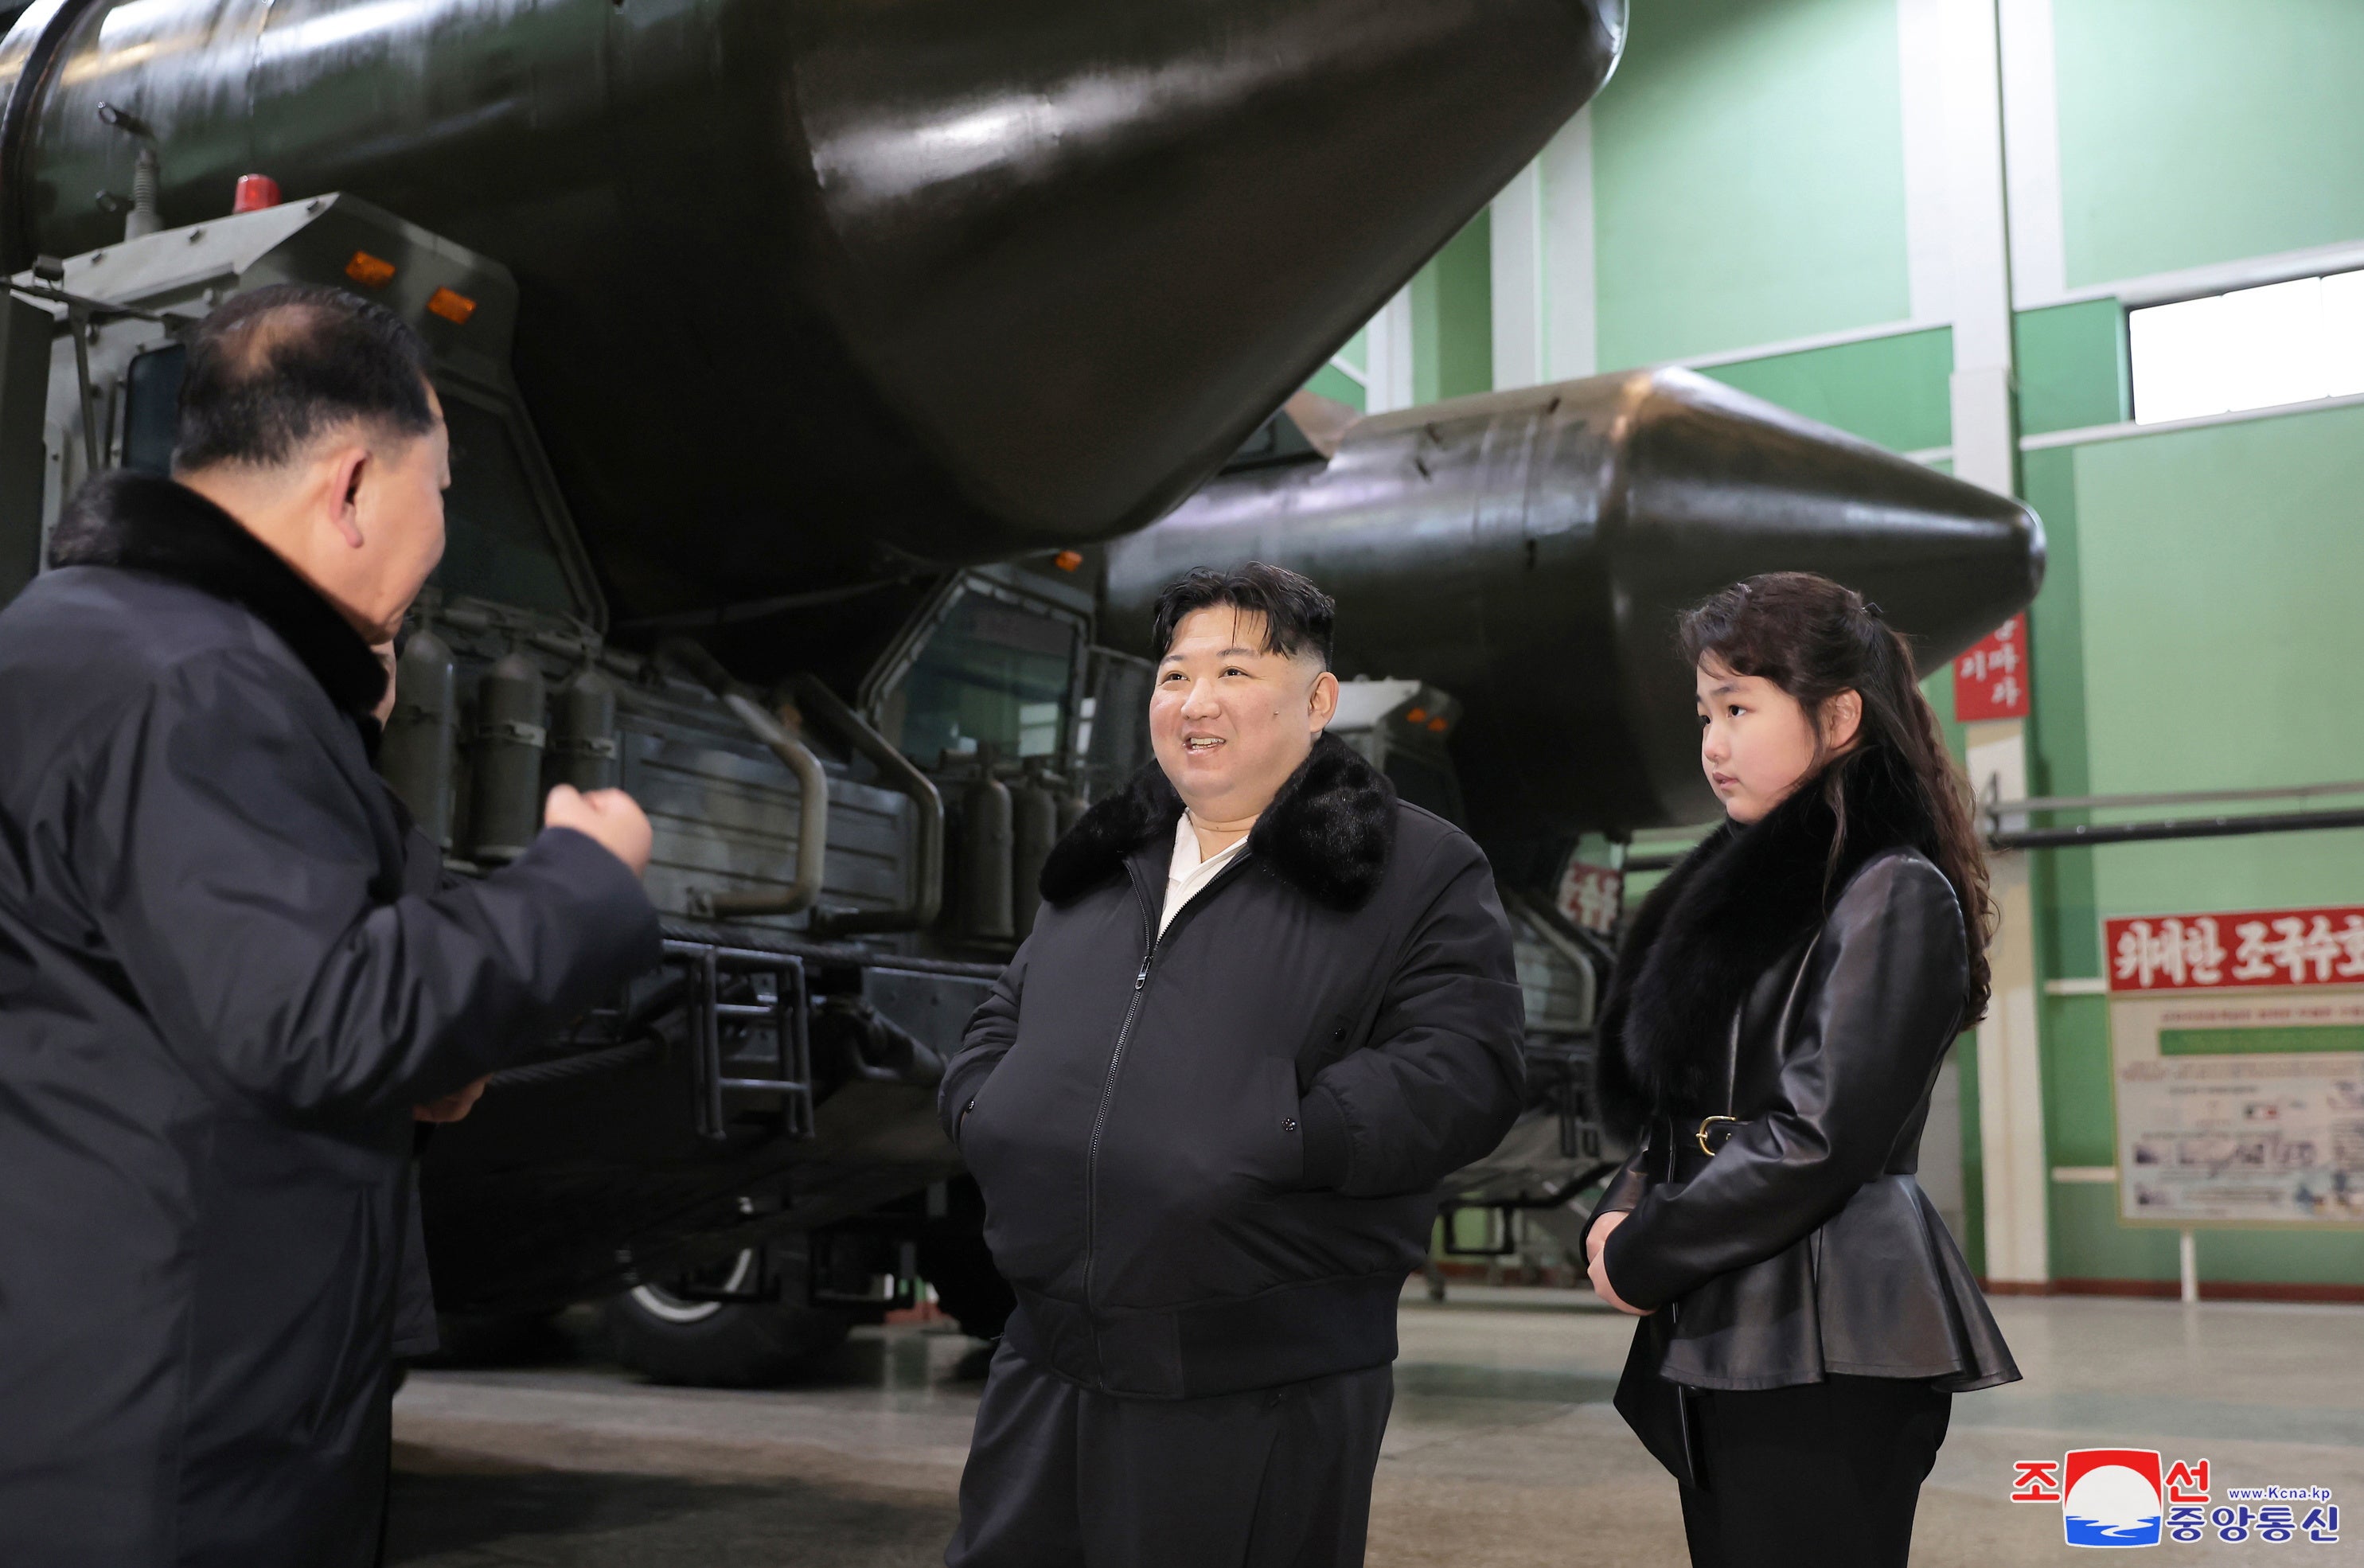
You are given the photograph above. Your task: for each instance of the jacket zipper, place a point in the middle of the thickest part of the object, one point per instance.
(1151, 939)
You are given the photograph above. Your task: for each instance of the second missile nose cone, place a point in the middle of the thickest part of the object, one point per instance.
(1529, 552)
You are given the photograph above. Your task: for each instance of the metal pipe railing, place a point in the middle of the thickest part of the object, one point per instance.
(1993, 807)
(2007, 829)
(2081, 834)
(897, 770)
(812, 795)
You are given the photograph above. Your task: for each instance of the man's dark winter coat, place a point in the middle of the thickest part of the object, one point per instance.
(216, 1010)
(1209, 1158)
(414, 1330)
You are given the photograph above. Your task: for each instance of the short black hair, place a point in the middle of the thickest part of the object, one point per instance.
(276, 366)
(1298, 615)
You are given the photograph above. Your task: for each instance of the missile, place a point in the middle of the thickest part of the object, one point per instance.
(1528, 551)
(814, 291)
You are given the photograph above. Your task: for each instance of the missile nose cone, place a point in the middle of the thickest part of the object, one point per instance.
(1718, 486)
(1528, 551)
(1085, 274)
(808, 290)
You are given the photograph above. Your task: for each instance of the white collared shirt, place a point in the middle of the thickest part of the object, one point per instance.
(1188, 873)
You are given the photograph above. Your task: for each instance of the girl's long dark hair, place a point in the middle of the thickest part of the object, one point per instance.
(1815, 639)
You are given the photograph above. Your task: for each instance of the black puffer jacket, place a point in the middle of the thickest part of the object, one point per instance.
(218, 1007)
(1209, 1158)
(1821, 997)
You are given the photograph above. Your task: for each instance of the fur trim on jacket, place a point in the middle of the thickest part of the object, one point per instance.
(1738, 903)
(147, 524)
(1327, 833)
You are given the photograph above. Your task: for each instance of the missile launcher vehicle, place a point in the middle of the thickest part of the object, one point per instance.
(818, 377)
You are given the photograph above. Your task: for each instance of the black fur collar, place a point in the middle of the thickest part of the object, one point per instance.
(1327, 833)
(135, 521)
(1736, 906)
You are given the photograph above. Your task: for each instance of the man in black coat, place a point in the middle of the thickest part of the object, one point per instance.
(1266, 1008)
(218, 1006)
(416, 1332)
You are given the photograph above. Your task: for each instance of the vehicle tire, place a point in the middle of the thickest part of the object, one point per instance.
(719, 1344)
(968, 1287)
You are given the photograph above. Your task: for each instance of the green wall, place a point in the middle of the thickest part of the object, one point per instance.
(1891, 390)
(1357, 350)
(2195, 132)
(2068, 936)
(1332, 381)
(1452, 327)
(2073, 366)
(2192, 603)
(1748, 177)
(1749, 182)
(2221, 568)
(1452, 317)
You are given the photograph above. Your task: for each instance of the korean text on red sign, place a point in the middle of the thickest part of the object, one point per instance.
(2214, 953)
(1991, 680)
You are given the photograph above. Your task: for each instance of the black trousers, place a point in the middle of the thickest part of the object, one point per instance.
(1820, 1476)
(1059, 1476)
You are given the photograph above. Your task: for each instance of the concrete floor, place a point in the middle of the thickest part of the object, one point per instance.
(1503, 1451)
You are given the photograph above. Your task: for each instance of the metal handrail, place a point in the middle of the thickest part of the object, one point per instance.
(812, 793)
(814, 696)
(812, 820)
(2008, 829)
(1996, 807)
(2078, 834)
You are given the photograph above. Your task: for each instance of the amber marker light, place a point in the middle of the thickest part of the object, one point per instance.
(1067, 560)
(451, 305)
(370, 272)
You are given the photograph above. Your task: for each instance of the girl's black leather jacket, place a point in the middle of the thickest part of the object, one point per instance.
(1812, 1024)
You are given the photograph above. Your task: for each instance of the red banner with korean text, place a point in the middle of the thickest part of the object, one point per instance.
(1592, 896)
(2221, 953)
(1991, 680)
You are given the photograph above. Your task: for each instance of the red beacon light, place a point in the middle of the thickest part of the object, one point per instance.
(255, 192)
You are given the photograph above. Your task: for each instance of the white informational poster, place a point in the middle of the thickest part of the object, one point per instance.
(2240, 1105)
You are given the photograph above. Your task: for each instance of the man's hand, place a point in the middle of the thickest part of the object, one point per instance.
(607, 816)
(1596, 1242)
(452, 1107)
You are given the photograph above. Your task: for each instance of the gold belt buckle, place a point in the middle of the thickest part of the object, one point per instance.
(1705, 1123)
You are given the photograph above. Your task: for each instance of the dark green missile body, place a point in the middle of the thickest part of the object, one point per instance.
(813, 290)
(1527, 551)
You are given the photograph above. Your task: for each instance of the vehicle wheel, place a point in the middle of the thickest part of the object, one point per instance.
(966, 1284)
(674, 1338)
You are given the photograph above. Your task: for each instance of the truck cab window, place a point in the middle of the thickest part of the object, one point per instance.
(152, 409)
(991, 674)
(496, 544)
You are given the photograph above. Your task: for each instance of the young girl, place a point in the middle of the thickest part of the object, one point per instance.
(1780, 1010)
